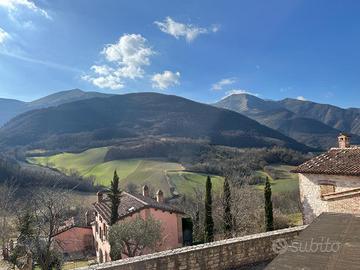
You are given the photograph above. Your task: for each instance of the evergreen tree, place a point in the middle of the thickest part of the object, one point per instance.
(26, 228)
(227, 202)
(268, 206)
(26, 238)
(209, 222)
(114, 196)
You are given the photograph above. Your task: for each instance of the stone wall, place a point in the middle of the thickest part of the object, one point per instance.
(225, 254)
(312, 203)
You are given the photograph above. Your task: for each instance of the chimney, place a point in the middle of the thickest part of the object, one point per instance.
(145, 191)
(344, 140)
(99, 197)
(160, 196)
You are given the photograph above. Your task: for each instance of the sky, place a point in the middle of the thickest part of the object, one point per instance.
(202, 50)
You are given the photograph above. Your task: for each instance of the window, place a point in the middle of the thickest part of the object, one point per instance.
(326, 189)
(105, 231)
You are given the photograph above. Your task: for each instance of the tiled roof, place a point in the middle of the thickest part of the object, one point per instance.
(336, 161)
(131, 203)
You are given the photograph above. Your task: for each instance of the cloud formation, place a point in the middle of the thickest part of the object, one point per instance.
(302, 98)
(220, 84)
(125, 59)
(188, 31)
(3, 36)
(14, 5)
(165, 80)
(239, 91)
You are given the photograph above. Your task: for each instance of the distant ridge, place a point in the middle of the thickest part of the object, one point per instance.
(11, 108)
(316, 125)
(134, 116)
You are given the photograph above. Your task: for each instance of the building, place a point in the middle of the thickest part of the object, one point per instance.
(330, 182)
(176, 229)
(75, 242)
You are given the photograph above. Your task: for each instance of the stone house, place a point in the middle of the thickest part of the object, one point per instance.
(330, 182)
(174, 223)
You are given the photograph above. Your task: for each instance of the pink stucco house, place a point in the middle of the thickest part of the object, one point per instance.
(173, 221)
(75, 242)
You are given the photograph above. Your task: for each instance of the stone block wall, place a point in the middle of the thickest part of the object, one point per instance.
(312, 203)
(225, 254)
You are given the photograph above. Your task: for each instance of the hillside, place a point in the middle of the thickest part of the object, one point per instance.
(290, 118)
(140, 115)
(342, 119)
(170, 177)
(11, 108)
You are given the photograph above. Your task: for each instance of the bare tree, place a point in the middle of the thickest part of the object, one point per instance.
(7, 202)
(194, 207)
(51, 207)
(247, 210)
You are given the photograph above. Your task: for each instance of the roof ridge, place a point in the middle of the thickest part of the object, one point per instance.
(136, 198)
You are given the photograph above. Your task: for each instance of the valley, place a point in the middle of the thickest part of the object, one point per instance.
(170, 177)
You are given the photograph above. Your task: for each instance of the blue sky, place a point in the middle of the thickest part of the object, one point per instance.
(201, 50)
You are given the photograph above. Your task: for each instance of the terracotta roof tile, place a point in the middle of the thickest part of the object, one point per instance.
(336, 161)
(131, 203)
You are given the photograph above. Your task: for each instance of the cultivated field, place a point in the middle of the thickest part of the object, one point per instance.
(171, 177)
(280, 177)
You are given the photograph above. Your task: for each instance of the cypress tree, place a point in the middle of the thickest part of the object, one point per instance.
(227, 202)
(114, 196)
(209, 222)
(268, 206)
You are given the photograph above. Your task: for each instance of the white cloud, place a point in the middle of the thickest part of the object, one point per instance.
(220, 84)
(125, 59)
(3, 35)
(301, 98)
(15, 5)
(188, 31)
(239, 91)
(166, 79)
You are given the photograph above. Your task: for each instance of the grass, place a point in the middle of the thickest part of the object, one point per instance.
(160, 174)
(280, 177)
(74, 265)
(282, 180)
(81, 162)
(186, 182)
(170, 177)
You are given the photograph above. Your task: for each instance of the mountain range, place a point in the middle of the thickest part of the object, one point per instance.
(76, 117)
(11, 108)
(313, 124)
(108, 119)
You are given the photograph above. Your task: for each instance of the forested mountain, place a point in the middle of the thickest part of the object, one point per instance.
(137, 115)
(11, 108)
(342, 119)
(316, 125)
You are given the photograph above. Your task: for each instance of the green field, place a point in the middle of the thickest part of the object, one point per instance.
(170, 177)
(280, 177)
